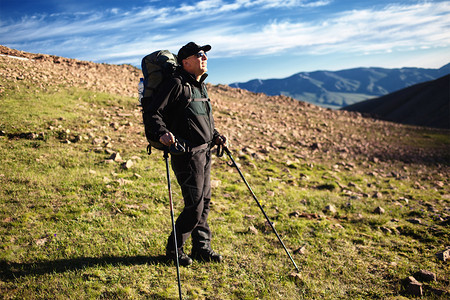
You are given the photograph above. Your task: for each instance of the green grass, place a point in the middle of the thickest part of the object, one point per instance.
(76, 227)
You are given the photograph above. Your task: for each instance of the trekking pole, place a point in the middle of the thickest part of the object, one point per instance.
(166, 158)
(257, 202)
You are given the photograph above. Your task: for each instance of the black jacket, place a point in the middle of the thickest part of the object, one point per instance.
(181, 106)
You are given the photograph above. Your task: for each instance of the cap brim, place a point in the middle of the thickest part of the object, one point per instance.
(205, 48)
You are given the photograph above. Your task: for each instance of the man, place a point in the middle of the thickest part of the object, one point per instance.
(181, 112)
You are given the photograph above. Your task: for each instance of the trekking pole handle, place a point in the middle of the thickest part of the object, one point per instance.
(220, 149)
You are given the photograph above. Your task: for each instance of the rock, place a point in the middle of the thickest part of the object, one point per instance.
(215, 183)
(379, 210)
(444, 255)
(295, 214)
(329, 208)
(128, 164)
(425, 275)
(295, 276)
(377, 195)
(97, 141)
(41, 242)
(301, 250)
(116, 157)
(385, 229)
(413, 287)
(122, 181)
(252, 229)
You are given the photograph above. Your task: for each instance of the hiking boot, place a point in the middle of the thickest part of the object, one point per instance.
(206, 255)
(183, 259)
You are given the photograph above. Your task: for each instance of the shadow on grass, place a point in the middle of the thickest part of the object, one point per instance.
(11, 270)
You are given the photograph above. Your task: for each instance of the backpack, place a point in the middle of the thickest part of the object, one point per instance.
(156, 67)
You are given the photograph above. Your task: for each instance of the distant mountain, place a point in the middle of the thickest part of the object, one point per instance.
(424, 104)
(337, 89)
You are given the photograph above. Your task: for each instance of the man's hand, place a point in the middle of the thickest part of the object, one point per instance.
(167, 139)
(222, 140)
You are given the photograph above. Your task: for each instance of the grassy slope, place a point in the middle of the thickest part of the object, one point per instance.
(76, 226)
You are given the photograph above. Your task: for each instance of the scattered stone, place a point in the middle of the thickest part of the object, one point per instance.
(329, 208)
(295, 214)
(116, 157)
(97, 141)
(128, 164)
(415, 221)
(403, 199)
(444, 255)
(377, 195)
(252, 229)
(41, 242)
(413, 287)
(301, 250)
(296, 276)
(92, 172)
(270, 193)
(215, 183)
(425, 275)
(385, 229)
(379, 210)
(122, 181)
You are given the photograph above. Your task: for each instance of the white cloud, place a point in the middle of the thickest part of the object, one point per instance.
(359, 30)
(233, 28)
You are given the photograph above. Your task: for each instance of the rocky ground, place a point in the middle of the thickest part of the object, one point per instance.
(253, 121)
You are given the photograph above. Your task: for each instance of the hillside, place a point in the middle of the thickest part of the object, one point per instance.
(341, 88)
(424, 104)
(362, 204)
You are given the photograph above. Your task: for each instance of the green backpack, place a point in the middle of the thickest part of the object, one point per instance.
(157, 67)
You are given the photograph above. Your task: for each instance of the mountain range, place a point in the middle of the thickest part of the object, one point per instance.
(337, 89)
(423, 104)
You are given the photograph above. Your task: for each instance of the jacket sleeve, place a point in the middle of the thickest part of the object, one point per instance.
(156, 108)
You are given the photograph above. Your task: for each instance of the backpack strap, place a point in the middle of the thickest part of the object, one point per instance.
(187, 91)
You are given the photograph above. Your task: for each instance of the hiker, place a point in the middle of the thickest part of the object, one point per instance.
(181, 111)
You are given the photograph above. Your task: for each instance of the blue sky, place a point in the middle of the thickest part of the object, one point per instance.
(250, 39)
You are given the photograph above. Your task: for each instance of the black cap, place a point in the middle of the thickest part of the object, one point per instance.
(191, 49)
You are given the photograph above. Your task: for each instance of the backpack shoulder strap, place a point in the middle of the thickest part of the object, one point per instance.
(187, 90)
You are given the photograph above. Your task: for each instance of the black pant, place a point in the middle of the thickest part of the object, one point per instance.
(193, 172)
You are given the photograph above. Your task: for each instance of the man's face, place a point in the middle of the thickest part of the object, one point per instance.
(196, 64)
